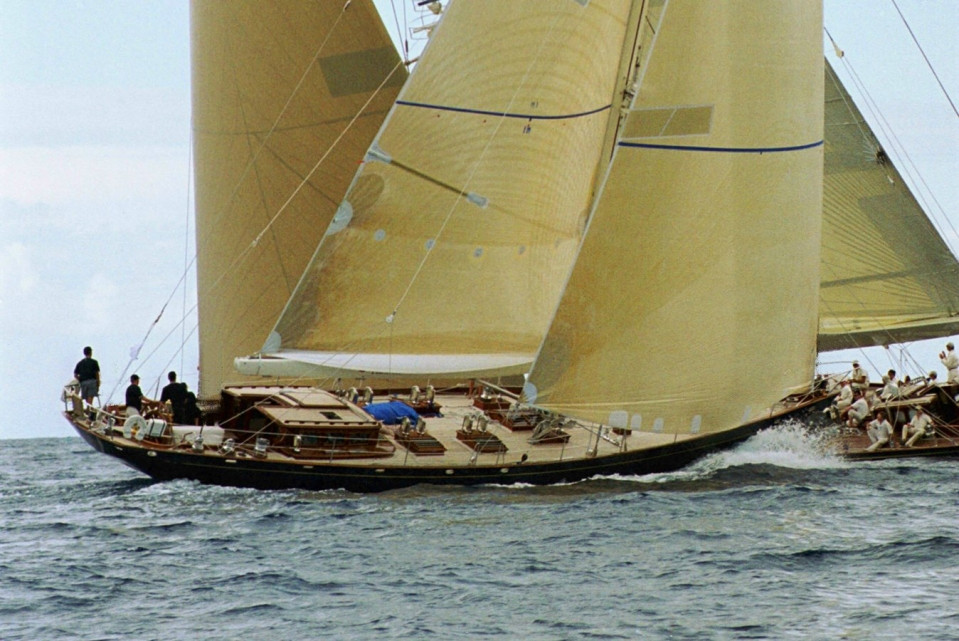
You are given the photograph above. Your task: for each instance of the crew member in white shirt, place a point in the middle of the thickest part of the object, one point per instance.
(918, 427)
(951, 362)
(879, 431)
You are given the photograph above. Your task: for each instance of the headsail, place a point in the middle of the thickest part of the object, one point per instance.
(459, 230)
(692, 304)
(281, 120)
(887, 275)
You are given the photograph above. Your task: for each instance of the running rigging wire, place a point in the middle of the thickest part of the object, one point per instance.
(926, 58)
(884, 125)
(909, 168)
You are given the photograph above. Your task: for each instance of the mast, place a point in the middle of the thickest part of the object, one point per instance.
(636, 38)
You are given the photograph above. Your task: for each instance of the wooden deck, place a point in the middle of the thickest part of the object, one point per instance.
(493, 444)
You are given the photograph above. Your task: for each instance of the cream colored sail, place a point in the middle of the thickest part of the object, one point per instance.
(692, 306)
(286, 99)
(887, 275)
(451, 246)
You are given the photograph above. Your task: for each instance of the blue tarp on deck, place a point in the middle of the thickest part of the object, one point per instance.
(392, 413)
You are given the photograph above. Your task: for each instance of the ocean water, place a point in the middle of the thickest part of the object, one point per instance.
(771, 540)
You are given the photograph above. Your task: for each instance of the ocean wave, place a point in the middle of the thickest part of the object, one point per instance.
(888, 554)
(736, 545)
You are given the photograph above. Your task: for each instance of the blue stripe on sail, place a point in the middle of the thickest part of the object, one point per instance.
(503, 114)
(727, 150)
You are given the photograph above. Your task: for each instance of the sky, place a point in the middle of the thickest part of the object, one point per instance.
(95, 181)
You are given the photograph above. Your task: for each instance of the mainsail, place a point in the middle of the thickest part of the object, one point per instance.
(449, 252)
(692, 306)
(286, 99)
(887, 275)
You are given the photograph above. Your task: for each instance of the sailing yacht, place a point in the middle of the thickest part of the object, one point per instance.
(581, 238)
(887, 278)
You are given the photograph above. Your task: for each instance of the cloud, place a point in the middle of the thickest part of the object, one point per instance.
(17, 274)
(59, 176)
(100, 303)
(65, 116)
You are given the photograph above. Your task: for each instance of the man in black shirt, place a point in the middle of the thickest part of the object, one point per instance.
(87, 372)
(135, 397)
(191, 411)
(175, 393)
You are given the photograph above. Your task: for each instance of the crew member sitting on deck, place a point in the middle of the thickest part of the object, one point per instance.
(860, 380)
(857, 411)
(842, 402)
(917, 428)
(135, 397)
(951, 362)
(890, 391)
(879, 431)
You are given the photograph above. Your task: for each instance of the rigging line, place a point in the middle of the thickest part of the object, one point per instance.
(914, 174)
(399, 31)
(406, 40)
(846, 329)
(252, 162)
(489, 141)
(326, 154)
(186, 236)
(185, 339)
(926, 58)
(182, 281)
(257, 180)
(850, 334)
(188, 263)
(844, 95)
(135, 352)
(163, 340)
(242, 255)
(897, 145)
(159, 377)
(904, 353)
(529, 220)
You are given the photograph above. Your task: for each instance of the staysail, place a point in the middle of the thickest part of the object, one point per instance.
(887, 275)
(286, 99)
(692, 306)
(448, 254)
